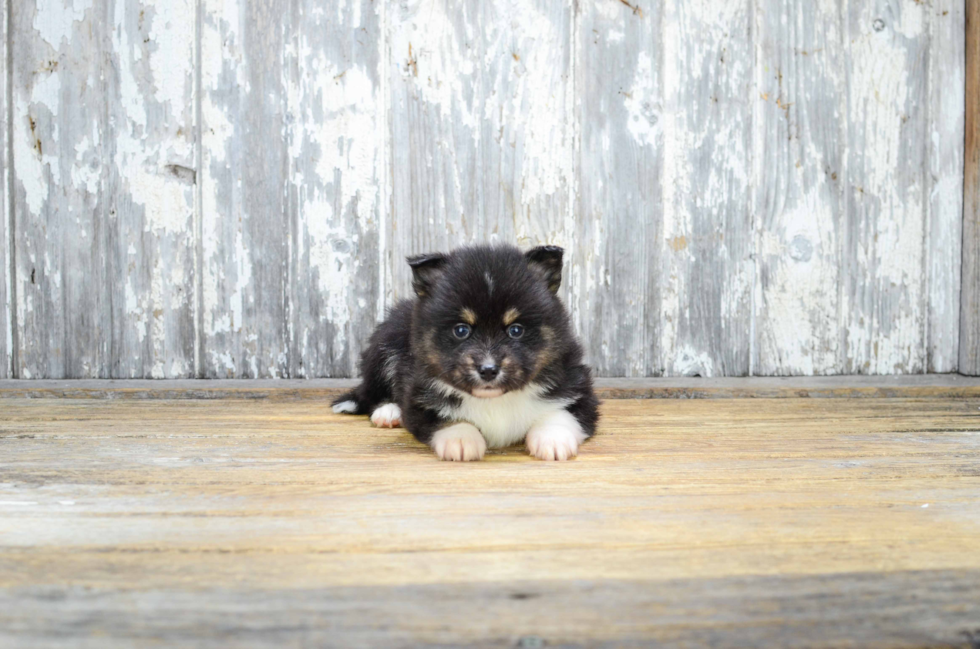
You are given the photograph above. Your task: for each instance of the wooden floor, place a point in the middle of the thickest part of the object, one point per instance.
(765, 522)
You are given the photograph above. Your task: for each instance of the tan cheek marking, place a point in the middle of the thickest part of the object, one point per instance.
(511, 315)
(468, 316)
(430, 353)
(547, 354)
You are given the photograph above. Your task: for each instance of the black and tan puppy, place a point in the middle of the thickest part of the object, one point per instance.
(484, 356)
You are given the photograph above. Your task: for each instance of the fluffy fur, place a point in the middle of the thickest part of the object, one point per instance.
(484, 356)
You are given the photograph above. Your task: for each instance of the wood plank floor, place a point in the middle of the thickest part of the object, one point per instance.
(764, 522)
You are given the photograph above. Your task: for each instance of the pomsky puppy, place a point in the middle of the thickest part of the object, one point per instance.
(484, 356)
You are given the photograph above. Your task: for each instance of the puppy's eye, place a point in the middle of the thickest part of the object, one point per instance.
(462, 331)
(515, 331)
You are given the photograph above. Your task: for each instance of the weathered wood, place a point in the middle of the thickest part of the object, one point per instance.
(784, 522)
(58, 135)
(918, 386)
(291, 186)
(885, 109)
(6, 240)
(244, 174)
(764, 186)
(336, 135)
(969, 356)
(838, 610)
(149, 174)
(944, 181)
(798, 153)
(480, 126)
(615, 258)
(707, 271)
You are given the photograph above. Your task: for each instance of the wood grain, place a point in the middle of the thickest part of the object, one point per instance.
(614, 266)
(783, 522)
(944, 182)
(947, 386)
(336, 133)
(799, 149)
(480, 128)
(6, 238)
(149, 162)
(839, 610)
(59, 197)
(707, 273)
(883, 245)
(969, 348)
(228, 188)
(244, 170)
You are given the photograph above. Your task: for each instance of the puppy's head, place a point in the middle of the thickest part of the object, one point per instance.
(488, 318)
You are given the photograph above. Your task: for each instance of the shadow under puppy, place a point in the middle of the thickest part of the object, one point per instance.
(483, 356)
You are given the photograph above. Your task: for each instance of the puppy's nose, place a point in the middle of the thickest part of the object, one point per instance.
(489, 372)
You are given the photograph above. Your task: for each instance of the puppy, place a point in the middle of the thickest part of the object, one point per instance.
(483, 357)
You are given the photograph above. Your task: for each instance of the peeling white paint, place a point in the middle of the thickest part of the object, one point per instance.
(643, 104)
(55, 21)
(493, 157)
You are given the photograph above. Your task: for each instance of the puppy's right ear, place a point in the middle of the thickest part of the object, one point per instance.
(426, 271)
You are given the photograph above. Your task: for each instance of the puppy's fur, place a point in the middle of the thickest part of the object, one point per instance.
(516, 373)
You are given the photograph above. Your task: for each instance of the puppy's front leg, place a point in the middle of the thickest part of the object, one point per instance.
(459, 442)
(555, 437)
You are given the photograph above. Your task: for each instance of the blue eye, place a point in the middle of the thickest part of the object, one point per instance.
(462, 331)
(515, 331)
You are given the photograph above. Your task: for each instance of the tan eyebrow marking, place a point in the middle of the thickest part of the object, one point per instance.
(511, 315)
(468, 316)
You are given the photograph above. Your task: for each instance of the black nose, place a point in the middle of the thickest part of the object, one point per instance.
(489, 372)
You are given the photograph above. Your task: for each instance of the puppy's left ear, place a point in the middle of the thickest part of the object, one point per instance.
(545, 261)
(426, 270)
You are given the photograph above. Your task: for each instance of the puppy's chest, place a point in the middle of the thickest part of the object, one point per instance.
(506, 419)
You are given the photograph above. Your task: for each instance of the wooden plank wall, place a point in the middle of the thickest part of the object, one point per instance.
(229, 188)
(970, 307)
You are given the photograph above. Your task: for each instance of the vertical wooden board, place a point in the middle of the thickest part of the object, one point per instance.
(244, 165)
(615, 257)
(150, 179)
(480, 125)
(336, 131)
(707, 270)
(883, 238)
(969, 349)
(944, 182)
(6, 324)
(58, 138)
(797, 177)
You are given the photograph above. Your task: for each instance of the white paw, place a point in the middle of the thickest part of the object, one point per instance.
(388, 415)
(460, 443)
(345, 406)
(556, 437)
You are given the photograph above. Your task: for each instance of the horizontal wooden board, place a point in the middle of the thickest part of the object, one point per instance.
(774, 522)
(858, 386)
(837, 610)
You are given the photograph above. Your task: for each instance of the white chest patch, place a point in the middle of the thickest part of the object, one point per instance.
(503, 420)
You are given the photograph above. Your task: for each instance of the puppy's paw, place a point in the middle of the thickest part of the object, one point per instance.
(387, 415)
(460, 442)
(556, 437)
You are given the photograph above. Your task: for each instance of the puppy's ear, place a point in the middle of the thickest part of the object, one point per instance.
(426, 270)
(545, 261)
